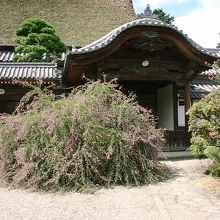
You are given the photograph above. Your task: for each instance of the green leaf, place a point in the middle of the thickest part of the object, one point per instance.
(36, 41)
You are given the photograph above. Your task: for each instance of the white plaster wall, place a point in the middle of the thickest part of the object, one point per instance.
(181, 113)
(165, 107)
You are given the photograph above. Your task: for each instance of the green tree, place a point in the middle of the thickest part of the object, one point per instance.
(216, 69)
(36, 41)
(163, 16)
(204, 124)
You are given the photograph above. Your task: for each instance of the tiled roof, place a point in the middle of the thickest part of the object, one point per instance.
(205, 86)
(200, 88)
(29, 72)
(6, 56)
(210, 72)
(107, 39)
(197, 95)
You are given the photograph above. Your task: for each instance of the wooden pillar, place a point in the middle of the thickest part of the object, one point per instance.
(187, 95)
(175, 106)
(187, 106)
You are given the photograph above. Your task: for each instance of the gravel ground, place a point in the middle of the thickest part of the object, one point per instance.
(182, 197)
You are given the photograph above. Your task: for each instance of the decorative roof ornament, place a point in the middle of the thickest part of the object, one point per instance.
(147, 13)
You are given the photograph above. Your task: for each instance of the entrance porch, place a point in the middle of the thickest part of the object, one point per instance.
(153, 60)
(161, 97)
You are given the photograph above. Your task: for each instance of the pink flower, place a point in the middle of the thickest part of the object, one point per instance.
(213, 134)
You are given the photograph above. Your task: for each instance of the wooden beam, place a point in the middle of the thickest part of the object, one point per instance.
(145, 74)
(117, 62)
(187, 106)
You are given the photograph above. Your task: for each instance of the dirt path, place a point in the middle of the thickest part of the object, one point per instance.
(182, 197)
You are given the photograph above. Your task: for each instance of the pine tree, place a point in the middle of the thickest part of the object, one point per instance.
(36, 41)
(163, 16)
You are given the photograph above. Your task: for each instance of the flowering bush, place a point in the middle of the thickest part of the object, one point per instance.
(94, 136)
(204, 123)
(214, 72)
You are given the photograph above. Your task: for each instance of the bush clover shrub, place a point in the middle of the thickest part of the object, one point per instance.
(95, 136)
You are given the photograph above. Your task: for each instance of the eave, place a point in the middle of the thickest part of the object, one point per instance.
(12, 73)
(111, 42)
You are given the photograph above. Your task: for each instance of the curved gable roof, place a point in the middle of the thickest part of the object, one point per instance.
(77, 22)
(172, 33)
(147, 27)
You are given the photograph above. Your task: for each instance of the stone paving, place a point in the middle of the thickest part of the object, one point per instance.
(179, 198)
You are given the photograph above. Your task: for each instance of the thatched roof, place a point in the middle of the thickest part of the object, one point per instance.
(77, 22)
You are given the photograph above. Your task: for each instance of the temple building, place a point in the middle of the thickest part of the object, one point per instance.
(157, 61)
